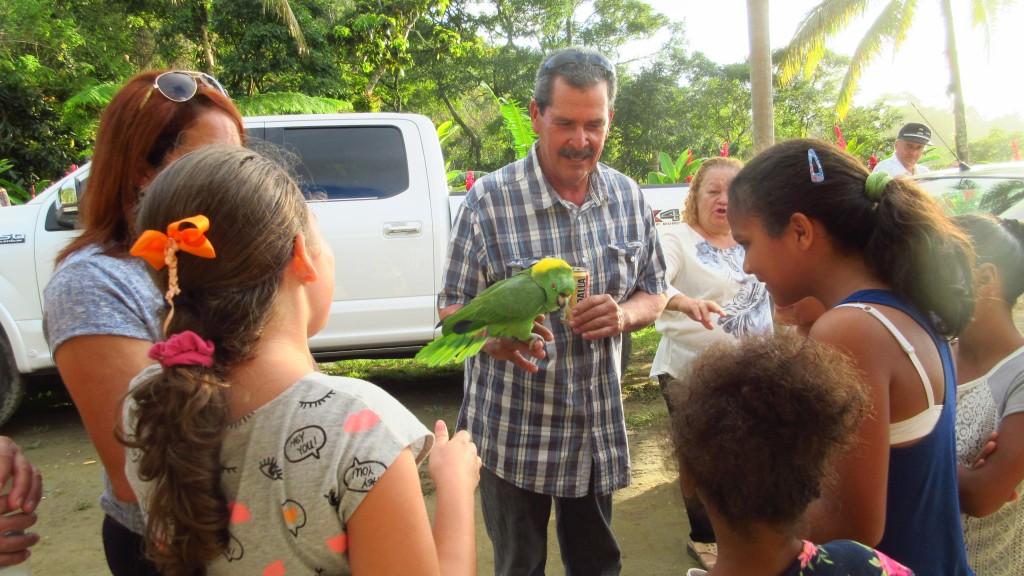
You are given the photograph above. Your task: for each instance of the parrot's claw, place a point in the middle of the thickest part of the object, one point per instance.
(534, 340)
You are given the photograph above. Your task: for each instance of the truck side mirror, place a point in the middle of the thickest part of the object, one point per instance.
(67, 204)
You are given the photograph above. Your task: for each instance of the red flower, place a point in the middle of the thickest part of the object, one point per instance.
(689, 178)
(969, 195)
(689, 154)
(469, 179)
(872, 162)
(725, 148)
(1016, 151)
(839, 137)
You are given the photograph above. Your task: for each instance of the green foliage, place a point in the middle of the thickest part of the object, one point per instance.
(36, 144)
(997, 146)
(289, 103)
(516, 119)
(674, 172)
(15, 193)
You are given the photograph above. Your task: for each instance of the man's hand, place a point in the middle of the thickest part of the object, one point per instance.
(598, 316)
(26, 481)
(516, 351)
(25, 493)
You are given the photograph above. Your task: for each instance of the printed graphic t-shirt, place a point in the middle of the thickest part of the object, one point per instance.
(295, 470)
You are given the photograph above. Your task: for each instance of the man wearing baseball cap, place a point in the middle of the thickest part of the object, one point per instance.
(908, 148)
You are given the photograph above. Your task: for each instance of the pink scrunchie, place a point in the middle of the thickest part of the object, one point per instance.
(183, 349)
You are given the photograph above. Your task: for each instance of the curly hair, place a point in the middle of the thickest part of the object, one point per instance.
(904, 237)
(690, 204)
(757, 425)
(180, 415)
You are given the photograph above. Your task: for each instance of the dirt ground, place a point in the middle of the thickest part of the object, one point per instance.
(648, 516)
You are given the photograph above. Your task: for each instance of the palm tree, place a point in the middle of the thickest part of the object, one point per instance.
(760, 75)
(892, 24)
(282, 9)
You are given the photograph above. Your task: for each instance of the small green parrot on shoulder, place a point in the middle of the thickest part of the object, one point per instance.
(505, 309)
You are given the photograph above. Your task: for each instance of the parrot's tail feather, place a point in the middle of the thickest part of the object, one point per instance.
(452, 348)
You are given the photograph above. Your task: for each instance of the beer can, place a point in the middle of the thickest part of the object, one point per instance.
(581, 281)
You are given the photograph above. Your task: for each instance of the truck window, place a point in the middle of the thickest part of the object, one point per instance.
(349, 162)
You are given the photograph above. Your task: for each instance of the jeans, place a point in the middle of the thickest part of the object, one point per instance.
(125, 551)
(517, 524)
(696, 514)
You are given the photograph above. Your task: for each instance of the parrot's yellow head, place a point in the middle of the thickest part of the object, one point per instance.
(555, 276)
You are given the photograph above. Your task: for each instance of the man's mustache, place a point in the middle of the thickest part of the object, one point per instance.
(581, 154)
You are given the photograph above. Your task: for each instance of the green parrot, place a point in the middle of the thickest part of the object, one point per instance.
(506, 308)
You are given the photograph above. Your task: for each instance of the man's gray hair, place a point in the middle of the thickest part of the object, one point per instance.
(580, 67)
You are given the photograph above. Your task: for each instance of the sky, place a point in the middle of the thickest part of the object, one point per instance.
(993, 81)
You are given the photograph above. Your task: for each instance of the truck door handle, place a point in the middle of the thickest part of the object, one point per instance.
(402, 229)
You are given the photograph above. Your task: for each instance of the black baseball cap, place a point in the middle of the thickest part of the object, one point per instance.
(915, 132)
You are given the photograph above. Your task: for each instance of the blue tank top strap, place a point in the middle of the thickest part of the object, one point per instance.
(922, 520)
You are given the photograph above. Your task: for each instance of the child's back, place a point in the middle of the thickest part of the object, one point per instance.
(245, 459)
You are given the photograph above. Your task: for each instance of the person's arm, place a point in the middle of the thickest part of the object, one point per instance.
(985, 488)
(599, 316)
(389, 532)
(25, 493)
(455, 469)
(697, 310)
(853, 507)
(96, 370)
(676, 277)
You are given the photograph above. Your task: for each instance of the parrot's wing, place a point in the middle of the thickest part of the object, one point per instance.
(514, 299)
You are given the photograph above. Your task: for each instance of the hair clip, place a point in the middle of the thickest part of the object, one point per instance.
(161, 249)
(817, 173)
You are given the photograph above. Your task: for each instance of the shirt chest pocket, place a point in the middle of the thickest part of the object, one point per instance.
(623, 266)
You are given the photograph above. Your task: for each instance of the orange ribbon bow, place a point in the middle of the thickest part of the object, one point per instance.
(161, 249)
(158, 248)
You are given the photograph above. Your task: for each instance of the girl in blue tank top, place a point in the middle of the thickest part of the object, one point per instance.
(894, 275)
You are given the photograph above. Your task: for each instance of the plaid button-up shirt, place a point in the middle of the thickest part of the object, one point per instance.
(546, 432)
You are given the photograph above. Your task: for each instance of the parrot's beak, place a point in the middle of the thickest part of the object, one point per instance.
(562, 300)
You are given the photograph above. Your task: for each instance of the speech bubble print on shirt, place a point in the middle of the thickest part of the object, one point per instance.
(305, 442)
(361, 476)
(234, 550)
(361, 421)
(294, 516)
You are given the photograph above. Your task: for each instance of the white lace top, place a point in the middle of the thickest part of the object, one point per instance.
(995, 543)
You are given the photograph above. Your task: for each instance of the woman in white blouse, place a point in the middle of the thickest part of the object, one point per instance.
(710, 299)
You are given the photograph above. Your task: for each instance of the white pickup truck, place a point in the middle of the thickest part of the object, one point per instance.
(387, 215)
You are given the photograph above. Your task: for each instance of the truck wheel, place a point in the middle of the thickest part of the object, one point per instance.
(627, 350)
(12, 384)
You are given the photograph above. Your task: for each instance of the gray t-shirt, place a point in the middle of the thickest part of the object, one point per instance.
(94, 294)
(295, 470)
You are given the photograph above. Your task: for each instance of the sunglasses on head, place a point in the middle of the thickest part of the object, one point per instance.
(182, 85)
(572, 57)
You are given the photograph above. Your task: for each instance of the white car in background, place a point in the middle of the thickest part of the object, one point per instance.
(991, 188)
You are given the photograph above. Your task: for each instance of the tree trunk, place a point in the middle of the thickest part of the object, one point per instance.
(760, 75)
(955, 91)
(204, 37)
(475, 148)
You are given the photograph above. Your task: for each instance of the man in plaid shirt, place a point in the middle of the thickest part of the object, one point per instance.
(548, 419)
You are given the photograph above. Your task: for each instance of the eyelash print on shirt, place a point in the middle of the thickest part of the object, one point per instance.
(314, 403)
